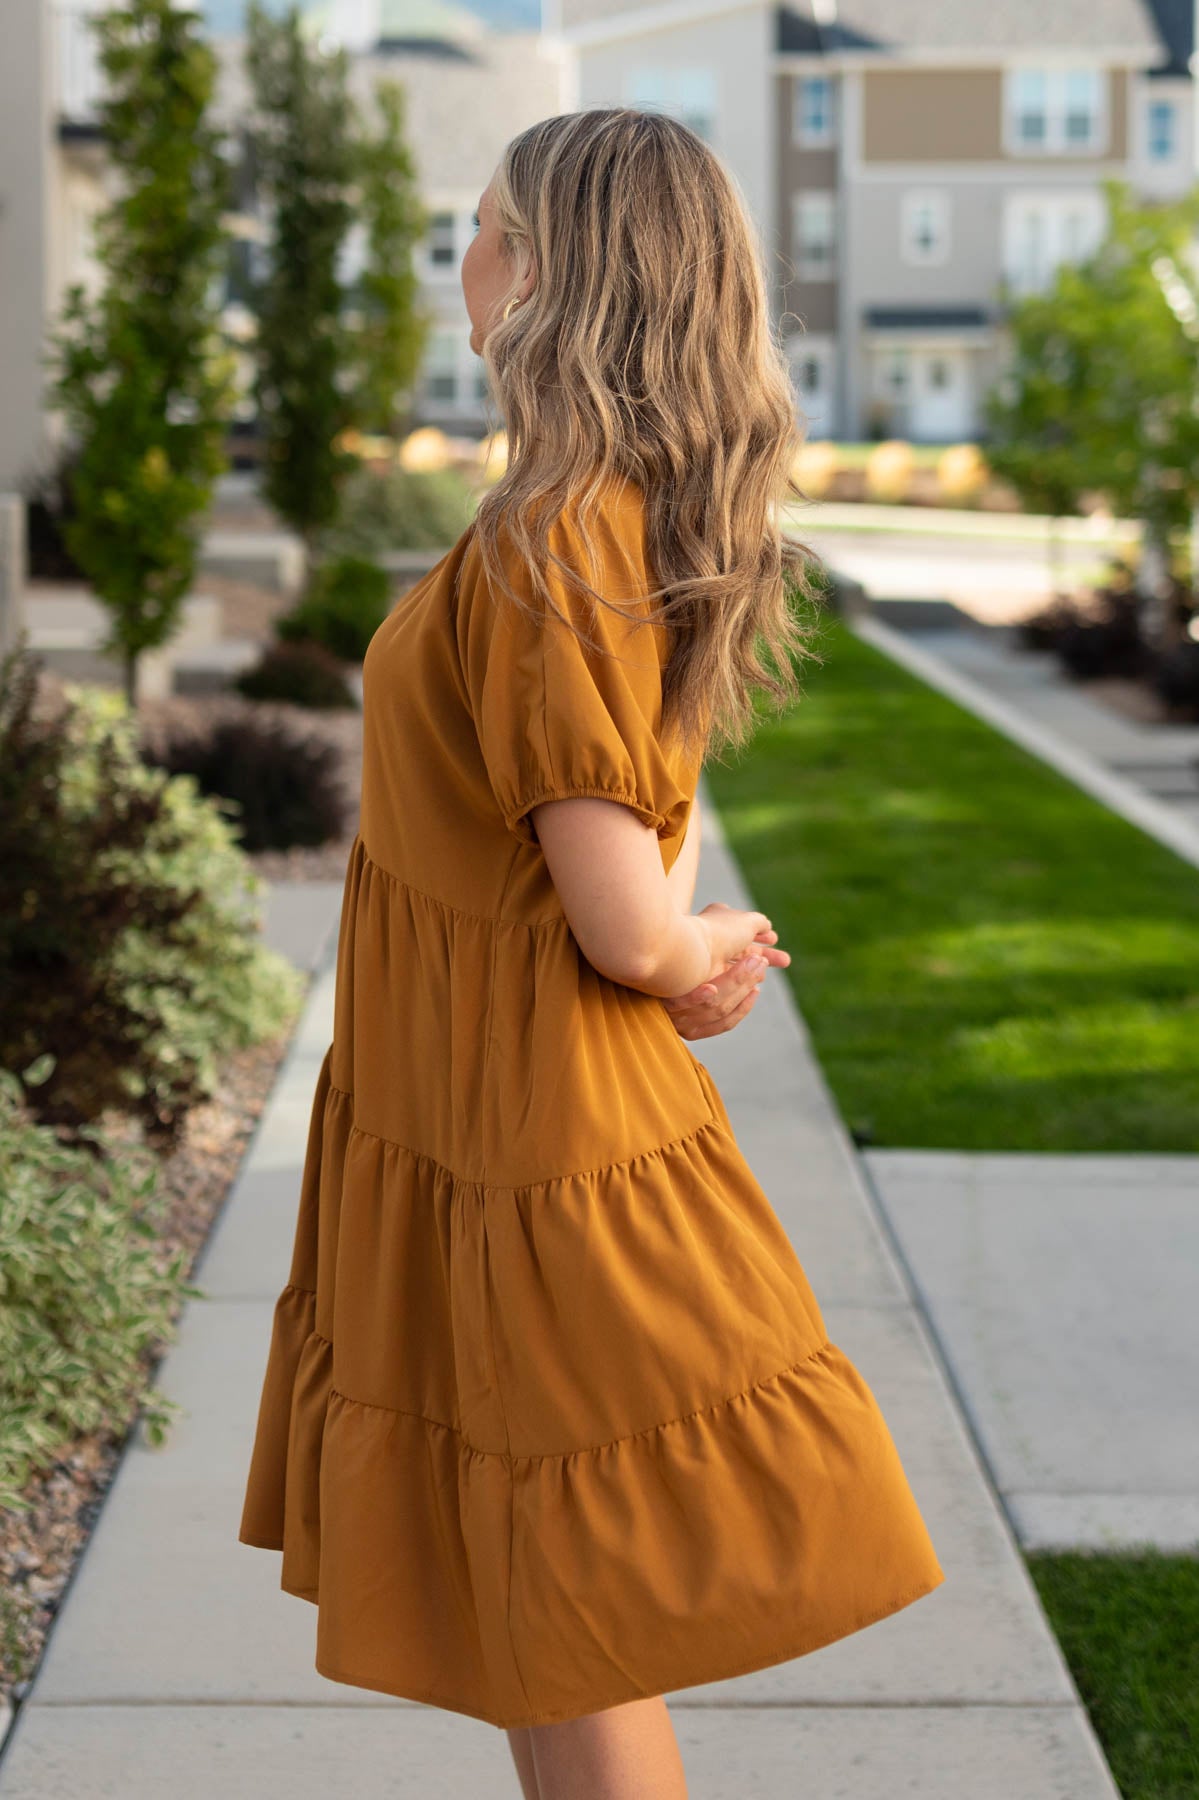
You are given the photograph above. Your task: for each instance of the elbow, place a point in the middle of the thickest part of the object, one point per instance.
(632, 965)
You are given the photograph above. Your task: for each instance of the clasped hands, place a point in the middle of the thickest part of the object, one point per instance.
(721, 1002)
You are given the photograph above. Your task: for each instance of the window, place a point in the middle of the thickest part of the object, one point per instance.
(1030, 108)
(1161, 135)
(442, 240)
(688, 95)
(815, 236)
(813, 124)
(1080, 112)
(1056, 111)
(924, 227)
(897, 370)
(441, 366)
(1042, 231)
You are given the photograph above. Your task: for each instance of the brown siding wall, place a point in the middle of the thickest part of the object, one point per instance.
(815, 303)
(956, 115)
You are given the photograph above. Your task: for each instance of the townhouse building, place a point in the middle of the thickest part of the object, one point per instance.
(910, 164)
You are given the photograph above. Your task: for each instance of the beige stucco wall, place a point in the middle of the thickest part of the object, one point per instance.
(737, 46)
(25, 149)
(956, 115)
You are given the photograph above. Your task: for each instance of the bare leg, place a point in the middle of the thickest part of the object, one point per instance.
(626, 1752)
(522, 1756)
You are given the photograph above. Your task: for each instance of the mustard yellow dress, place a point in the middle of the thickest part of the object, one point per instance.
(550, 1419)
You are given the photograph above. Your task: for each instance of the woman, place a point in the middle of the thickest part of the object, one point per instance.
(551, 1425)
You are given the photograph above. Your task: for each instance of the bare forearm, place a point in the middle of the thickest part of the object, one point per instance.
(680, 959)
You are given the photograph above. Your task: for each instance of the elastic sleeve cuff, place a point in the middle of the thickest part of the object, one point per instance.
(516, 817)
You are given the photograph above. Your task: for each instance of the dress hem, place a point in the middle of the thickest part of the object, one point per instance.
(721, 1672)
(803, 1646)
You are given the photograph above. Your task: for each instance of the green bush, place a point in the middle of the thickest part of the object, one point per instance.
(129, 930)
(400, 509)
(284, 788)
(85, 1294)
(306, 674)
(346, 602)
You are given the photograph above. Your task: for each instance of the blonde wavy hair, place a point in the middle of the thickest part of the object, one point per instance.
(646, 352)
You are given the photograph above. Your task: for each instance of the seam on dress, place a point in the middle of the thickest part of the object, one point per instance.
(448, 905)
(593, 1449)
(524, 1187)
(495, 1373)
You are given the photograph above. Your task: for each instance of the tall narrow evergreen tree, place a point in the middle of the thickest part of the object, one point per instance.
(305, 152)
(392, 329)
(142, 379)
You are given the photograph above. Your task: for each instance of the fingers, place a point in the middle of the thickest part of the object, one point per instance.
(704, 1025)
(718, 1005)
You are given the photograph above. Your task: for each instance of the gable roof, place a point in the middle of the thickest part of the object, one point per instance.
(911, 26)
(1175, 21)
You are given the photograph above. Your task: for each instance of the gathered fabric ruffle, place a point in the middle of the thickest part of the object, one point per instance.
(537, 1449)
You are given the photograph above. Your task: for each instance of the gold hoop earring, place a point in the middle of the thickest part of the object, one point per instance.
(515, 301)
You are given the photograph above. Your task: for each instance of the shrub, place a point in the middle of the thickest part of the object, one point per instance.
(815, 469)
(962, 473)
(84, 1294)
(889, 470)
(306, 674)
(1176, 679)
(400, 509)
(346, 602)
(426, 448)
(1042, 629)
(1108, 643)
(129, 946)
(284, 787)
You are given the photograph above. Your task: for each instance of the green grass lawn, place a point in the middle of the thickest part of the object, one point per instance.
(985, 956)
(1129, 1628)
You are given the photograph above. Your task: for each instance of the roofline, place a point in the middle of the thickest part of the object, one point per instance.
(637, 20)
(1108, 56)
(640, 19)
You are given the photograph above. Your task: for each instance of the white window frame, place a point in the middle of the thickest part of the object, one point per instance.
(823, 201)
(1057, 82)
(1054, 209)
(804, 134)
(443, 271)
(914, 203)
(442, 358)
(1170, 106)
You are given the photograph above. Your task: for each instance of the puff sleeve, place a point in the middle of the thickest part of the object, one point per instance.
(555, 718)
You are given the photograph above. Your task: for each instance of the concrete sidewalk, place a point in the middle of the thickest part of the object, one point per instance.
(177, 1663)
(1062, 1291)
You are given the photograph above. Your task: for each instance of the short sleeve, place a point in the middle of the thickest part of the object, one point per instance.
(555, 718)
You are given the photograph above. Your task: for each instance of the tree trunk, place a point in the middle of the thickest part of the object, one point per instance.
(1055, 556)
(131, 677)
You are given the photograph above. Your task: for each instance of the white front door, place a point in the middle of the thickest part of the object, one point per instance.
(941, 395)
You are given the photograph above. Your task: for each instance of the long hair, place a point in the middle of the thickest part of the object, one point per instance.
(645, 352)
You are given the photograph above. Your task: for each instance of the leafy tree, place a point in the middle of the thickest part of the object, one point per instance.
(142, 380)
(1032, 441)
(305, 153)
(1103, 393)
(392, 332)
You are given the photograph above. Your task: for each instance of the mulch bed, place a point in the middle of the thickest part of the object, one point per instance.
(40, 1549)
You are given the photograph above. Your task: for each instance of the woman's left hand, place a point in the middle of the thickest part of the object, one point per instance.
(717, 1005)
